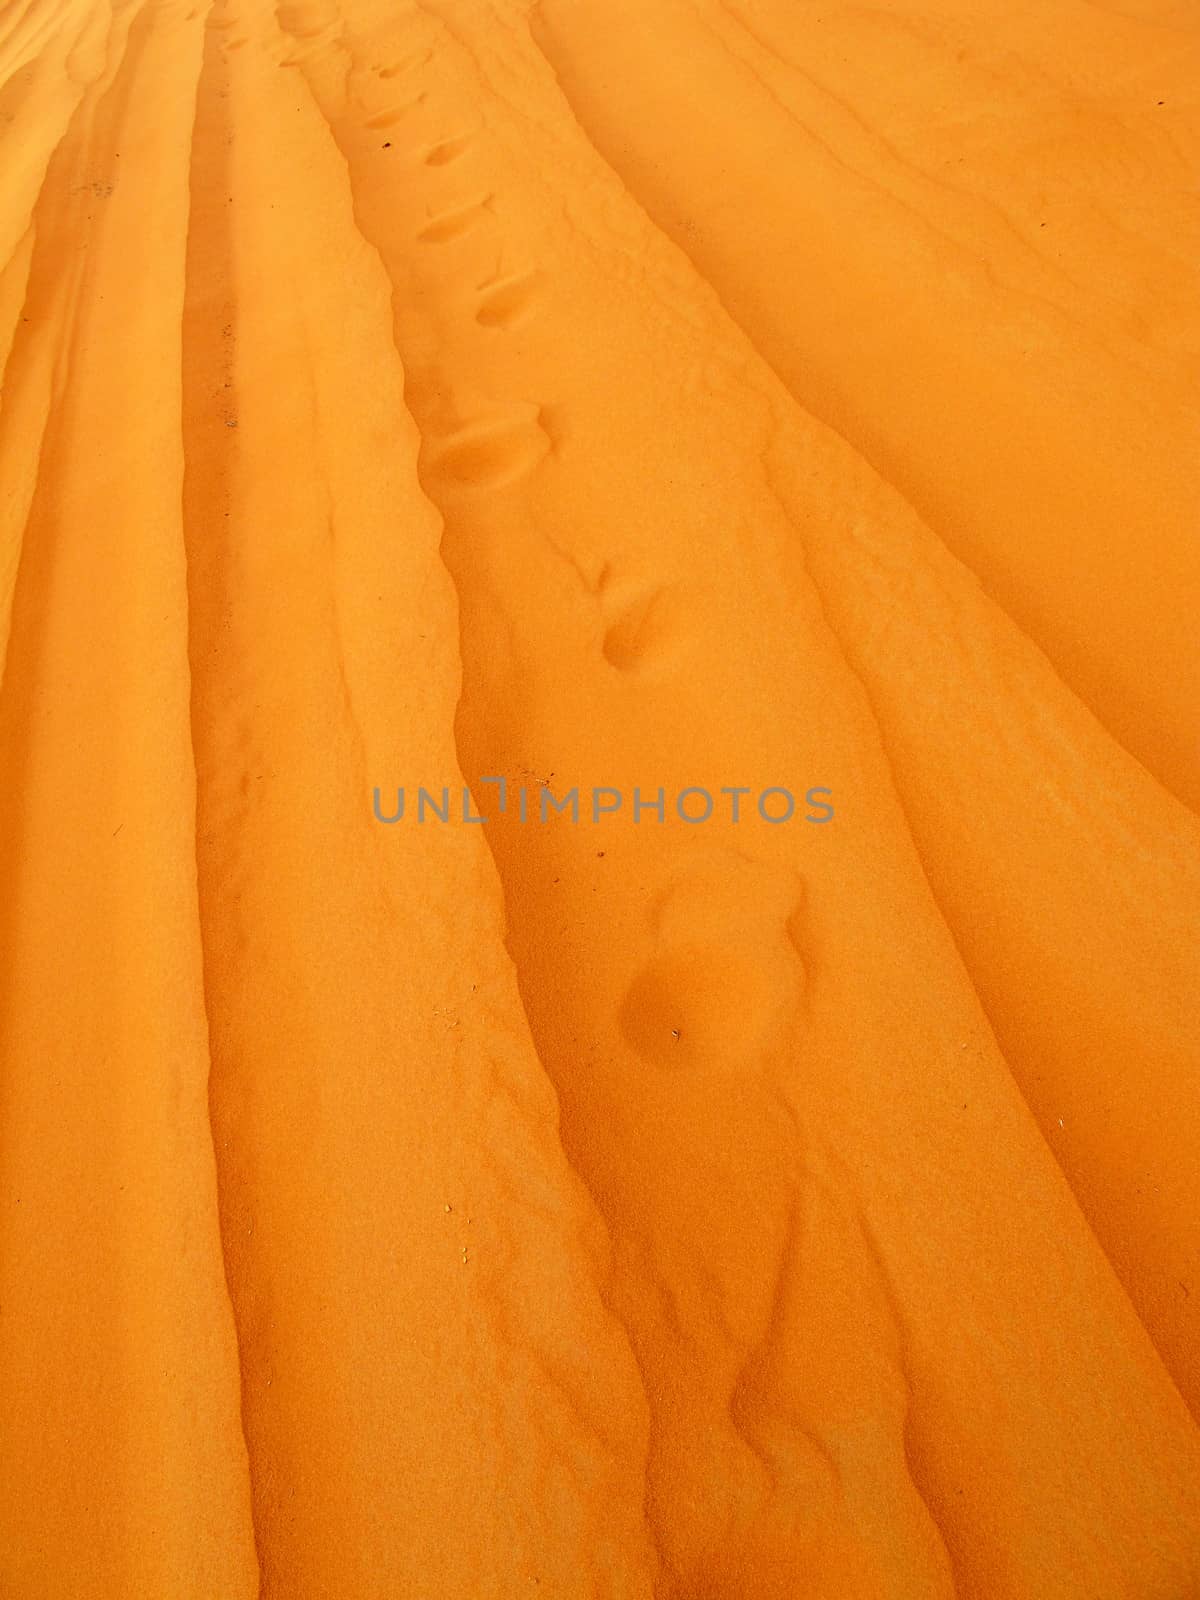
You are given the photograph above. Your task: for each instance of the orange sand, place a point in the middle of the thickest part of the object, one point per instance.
(599, 393)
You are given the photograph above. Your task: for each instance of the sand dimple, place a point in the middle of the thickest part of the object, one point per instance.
(393, 114)
(448, 150)
(306, 22)
(505, 301)
(492, 454)
(649, 633)
(700, 1008)
(453, 222)
(411, 64)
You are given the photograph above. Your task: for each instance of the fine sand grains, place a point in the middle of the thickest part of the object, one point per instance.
(669, 395)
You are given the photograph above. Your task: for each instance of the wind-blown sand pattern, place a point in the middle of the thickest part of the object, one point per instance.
(650, 392)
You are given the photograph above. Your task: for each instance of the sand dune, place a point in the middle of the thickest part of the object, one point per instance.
(547, 405)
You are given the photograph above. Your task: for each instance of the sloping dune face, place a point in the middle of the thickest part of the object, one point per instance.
(734, 1134)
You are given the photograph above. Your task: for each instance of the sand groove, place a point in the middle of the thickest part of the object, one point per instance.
(116, 1342)
(440, 1146)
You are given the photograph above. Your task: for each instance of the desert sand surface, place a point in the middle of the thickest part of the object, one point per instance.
(535, 398)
